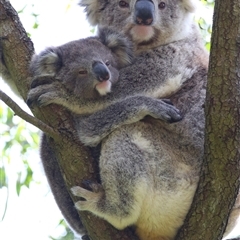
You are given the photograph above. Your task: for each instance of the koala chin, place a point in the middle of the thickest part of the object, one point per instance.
(104, 87)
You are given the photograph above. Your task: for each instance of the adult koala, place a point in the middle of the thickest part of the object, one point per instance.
(171, 62)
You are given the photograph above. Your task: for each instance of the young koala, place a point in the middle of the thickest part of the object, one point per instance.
(87, 68)
(149, 169)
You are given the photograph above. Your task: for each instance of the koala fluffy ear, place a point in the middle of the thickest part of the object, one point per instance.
(189, 5)
(47, 62)
(120, 45)
(91, 7)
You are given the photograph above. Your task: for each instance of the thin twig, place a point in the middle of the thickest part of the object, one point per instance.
(25, 116)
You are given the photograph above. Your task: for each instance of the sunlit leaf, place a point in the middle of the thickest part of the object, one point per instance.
(29, 177)
(3, 178)
(35, 25)
(21, 11)
(18, 184)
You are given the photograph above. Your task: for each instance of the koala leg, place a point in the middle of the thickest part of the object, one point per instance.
(124, 187)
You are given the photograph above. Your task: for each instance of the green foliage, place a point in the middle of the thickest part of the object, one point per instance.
(68, 233)
(16, 142)
(204, 20)
(3, 178)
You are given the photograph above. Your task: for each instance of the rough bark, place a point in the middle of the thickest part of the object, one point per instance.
(219, 182)
(74, 159)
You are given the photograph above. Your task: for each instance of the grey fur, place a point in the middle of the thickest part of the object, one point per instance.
(64, 63)
(149, 169)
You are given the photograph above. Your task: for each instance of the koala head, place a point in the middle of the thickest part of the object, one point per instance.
(147, 22)
(86, 67)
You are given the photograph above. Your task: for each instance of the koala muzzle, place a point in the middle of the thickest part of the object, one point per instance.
(101, 71)
(144, 12)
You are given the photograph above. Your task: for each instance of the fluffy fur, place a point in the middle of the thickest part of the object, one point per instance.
(149, 169)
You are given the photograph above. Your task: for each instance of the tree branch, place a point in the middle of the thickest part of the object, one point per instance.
(220, 177)
(27, 117)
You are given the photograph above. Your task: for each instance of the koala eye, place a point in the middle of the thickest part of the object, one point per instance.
(161, 5)
(123, 4)
(82, 72)
(107, 63)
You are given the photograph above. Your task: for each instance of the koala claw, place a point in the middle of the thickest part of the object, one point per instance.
(44, 100)
(83, 193)
(40, 102)
(29, 102)
(177, 118)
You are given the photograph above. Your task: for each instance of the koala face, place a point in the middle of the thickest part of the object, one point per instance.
(147, 22)
(86, 67)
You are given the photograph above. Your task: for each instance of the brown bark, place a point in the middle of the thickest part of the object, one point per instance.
(219, 182)
(74, 158)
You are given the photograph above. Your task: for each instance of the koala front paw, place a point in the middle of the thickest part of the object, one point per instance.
(39, 96)
(166, 111)
(44, 92)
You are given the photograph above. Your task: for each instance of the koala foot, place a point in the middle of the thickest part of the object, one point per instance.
(91, 198)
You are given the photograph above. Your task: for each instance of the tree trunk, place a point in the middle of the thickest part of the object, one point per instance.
(74, 159)
(220, 177)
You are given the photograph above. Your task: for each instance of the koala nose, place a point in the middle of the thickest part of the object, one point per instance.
(101, 71)
(144, 12)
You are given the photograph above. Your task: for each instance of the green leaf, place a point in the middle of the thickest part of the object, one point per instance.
(18, 184)
(3, 178)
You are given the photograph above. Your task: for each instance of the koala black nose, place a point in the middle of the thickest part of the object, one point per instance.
(144, 12)
(101, 71)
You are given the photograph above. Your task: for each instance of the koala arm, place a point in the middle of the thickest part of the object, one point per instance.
(92, 129)
(45, 90)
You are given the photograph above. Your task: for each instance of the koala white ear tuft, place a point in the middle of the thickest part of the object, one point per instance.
(91, 7)
(47, 62)
(189, 5)
(120, 45)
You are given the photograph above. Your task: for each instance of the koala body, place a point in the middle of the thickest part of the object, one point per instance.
(87, 68)
(149, 169)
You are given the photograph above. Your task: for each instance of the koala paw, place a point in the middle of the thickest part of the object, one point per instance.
(44, 91)
(39, 96)
(91, 198)
(166, 111)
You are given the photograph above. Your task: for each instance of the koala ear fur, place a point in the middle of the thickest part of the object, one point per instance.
(91, 7)
(120, 45)
(189, 5)
(47, 62)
